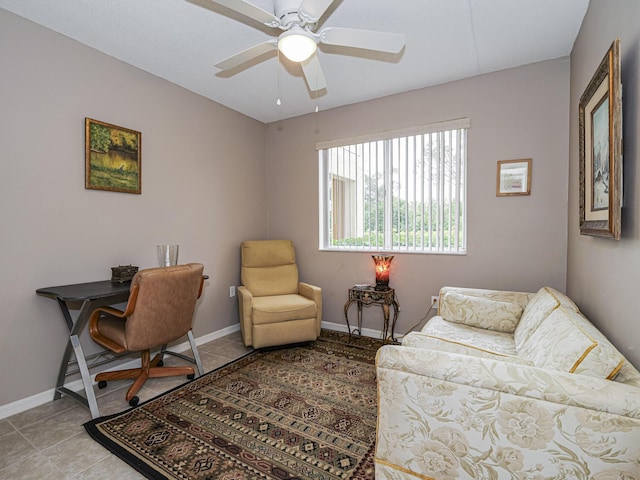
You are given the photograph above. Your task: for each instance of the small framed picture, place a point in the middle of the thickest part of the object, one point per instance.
(600, 137)
(514, 177)
(113, 157)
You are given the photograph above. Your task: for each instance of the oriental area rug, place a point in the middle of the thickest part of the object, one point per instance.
(303, 412)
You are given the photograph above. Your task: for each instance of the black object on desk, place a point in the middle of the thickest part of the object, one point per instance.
(91, 295)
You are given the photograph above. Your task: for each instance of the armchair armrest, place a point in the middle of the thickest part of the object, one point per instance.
(245, 301)
(313, 293)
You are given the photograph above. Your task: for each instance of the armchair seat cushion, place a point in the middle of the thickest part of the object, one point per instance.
(282, 308)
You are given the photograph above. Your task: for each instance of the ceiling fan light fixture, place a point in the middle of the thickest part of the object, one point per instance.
(297, 45)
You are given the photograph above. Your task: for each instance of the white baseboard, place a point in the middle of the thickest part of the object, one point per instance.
(367, 332)
(41, 398)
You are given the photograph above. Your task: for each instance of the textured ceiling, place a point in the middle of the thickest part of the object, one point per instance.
(181, 40)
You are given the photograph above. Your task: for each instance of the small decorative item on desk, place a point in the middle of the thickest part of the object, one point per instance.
(383, 266)
(123, 273)
(168, 255)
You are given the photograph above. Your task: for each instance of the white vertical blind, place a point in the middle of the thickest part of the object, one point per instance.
(402, 194)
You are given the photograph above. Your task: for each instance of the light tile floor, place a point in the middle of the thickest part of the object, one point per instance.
(49, 441)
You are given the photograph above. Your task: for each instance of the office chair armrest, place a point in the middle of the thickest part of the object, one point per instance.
(95, 332)
(95, 315)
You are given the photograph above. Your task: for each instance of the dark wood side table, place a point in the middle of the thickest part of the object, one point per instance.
(370, 296)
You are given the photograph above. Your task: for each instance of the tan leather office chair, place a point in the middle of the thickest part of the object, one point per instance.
(160, 310)
(275, 308)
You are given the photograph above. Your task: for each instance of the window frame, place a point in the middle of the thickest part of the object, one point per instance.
(325, 243)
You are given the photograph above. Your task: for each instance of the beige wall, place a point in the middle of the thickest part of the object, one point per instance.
(202, 188)
(603, 275)
(208, 184)
(514, 243)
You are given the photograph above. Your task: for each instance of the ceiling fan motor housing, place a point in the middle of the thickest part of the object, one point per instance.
(288, 13)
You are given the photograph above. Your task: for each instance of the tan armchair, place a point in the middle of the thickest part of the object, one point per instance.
(160, 310)
(275, 308)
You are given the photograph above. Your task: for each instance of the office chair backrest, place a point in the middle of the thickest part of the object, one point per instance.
(164, 306)
(269, 267)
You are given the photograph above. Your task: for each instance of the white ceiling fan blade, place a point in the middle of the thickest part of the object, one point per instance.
(313, 74)
(367, 39)
(246, 55)
(249, 10)
(312, 10)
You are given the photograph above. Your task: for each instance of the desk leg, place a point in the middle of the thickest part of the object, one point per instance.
(86, 377)
(62, 372)
(74, 346)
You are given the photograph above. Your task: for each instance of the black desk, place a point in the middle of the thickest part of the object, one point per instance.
(91, 295)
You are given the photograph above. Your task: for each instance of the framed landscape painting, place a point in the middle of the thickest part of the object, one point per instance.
(600, 124)
(113, 157)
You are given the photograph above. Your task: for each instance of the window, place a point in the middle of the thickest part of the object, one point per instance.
(399, 192)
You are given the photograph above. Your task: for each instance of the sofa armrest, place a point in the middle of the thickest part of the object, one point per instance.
(445, 415)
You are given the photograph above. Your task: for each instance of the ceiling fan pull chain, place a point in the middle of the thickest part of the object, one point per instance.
(315, 93)
(278, 102)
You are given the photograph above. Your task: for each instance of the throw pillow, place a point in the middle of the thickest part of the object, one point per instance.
(480, 312)
(537, 310)
(567, 342)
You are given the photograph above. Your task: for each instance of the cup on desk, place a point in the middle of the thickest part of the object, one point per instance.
(167, 255)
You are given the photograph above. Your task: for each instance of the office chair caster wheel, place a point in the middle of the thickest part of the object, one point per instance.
(160, 364)
(102, 384)
(134, 401)
(191, 376)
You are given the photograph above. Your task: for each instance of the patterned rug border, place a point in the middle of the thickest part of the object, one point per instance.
(122, 453)
(329, 336)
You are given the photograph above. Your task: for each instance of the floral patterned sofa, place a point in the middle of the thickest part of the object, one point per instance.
(507, 385)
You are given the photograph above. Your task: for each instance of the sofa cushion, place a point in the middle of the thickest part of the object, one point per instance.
(545, 301)
(493, 342)
(566, 341)
(431, 342)
(480, 312)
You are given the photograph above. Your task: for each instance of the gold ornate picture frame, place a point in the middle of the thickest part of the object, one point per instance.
(113, 158)
(600, 136)
(513, 177)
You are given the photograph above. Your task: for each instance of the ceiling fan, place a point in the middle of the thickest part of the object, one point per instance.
(298, 20)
